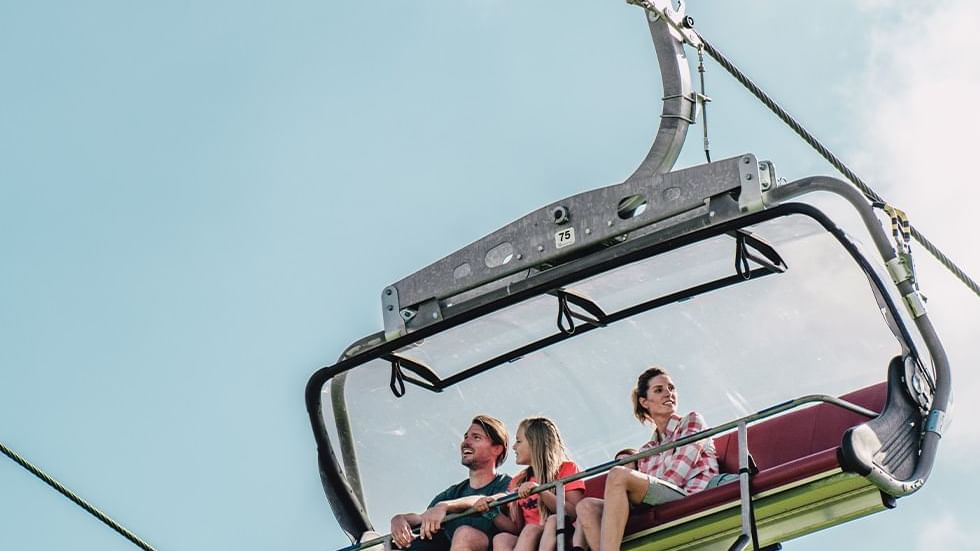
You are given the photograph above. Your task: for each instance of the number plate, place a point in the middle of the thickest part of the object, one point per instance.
(564, 238)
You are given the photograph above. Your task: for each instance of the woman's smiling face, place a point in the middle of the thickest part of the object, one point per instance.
(661, 399)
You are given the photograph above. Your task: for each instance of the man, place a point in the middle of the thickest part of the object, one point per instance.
(483, 449)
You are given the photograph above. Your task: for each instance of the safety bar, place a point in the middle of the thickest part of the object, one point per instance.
(745, 493)
(603, 467)
(560, 518)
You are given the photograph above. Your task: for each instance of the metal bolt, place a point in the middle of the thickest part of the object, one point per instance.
(746, 160)
(588, 231)
(609, 223)
(766, 185)
(390, 307)
(711, 214)
(388, 291)
(540, 248)
(519, 256)
(435, 315)
(559, 215)
(748, 176)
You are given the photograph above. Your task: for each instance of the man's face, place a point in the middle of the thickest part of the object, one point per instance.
(477, 449)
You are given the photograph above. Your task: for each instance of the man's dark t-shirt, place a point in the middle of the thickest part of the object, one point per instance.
(483, 522)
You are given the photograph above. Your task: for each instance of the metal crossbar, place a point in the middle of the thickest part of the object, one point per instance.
(603, 467)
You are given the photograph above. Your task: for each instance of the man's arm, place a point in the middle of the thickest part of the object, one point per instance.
(459, 504)
(401, 528)
(431, 519)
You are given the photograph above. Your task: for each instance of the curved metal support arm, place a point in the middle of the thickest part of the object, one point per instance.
(942, 396)
(679, 100)
(846, 191)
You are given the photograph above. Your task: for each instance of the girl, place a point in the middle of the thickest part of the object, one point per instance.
(538, 444)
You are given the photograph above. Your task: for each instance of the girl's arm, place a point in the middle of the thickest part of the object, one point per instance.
(572, 497)
(508, 521)
(502, 520)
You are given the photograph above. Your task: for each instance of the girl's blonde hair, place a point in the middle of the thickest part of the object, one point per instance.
(547, 453)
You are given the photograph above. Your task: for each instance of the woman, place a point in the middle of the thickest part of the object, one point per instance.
(659, 478)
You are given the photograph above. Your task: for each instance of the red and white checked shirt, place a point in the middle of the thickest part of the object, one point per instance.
(688, 467)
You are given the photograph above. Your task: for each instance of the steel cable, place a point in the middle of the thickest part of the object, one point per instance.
(76, 499)
(832, 159)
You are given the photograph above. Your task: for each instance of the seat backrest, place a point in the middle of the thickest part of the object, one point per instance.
(595, 486)
(726, 446)
(811, 430)
(788, 437)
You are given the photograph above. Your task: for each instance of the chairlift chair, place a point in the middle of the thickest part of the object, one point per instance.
(719, 264)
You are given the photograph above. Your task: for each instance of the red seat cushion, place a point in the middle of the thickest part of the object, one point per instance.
(726, 446)
(595, 486)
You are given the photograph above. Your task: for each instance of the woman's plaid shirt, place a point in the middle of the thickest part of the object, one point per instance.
(689, 467)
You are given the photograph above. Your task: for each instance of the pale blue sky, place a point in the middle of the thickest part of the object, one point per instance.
(201, 201)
